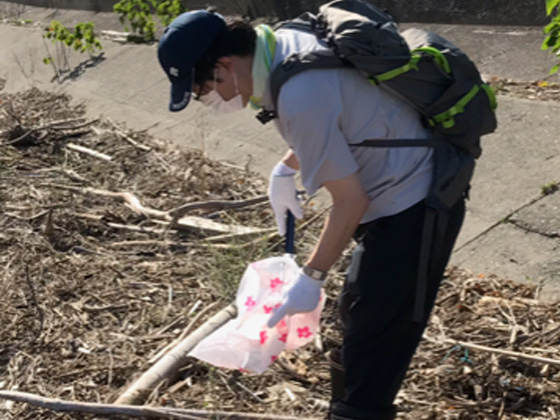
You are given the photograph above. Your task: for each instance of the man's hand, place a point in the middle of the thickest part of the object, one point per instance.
(303, 296)
(283, 197)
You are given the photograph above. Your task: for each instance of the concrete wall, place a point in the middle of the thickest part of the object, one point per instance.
(481, 12)
(486, 12)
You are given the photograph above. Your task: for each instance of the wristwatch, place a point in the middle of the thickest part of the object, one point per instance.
(314, 273)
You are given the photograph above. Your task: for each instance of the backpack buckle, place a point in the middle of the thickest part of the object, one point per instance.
(290, 62)
(265, 116)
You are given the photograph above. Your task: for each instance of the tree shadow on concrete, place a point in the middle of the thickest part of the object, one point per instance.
(77, 72)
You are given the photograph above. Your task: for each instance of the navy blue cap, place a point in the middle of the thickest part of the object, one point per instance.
(185, 41)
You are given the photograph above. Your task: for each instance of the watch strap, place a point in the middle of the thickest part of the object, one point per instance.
(314, 273)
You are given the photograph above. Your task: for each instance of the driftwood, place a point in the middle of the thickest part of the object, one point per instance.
(133, 411)
(165, 217)
(166, 369)
(87, 151)
(211, 227)
(217, 205)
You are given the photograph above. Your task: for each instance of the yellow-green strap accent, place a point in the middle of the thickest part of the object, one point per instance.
(446, 118)
(438, 56)
(269, 50)
(412, 64)
(491, 96)
(270, 39)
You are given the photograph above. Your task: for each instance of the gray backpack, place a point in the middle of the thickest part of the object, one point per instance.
(425, 70)
(421, 67)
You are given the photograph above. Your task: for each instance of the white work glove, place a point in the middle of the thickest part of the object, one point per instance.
(302, 296)
(283, 195)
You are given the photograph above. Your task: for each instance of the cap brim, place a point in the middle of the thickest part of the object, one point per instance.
(181, 94)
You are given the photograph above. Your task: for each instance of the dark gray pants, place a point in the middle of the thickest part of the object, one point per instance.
(376, 305)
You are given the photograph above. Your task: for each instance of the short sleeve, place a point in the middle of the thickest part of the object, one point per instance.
(309, 110)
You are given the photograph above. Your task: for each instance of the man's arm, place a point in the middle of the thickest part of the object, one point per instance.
(291, 160)
(350, 203)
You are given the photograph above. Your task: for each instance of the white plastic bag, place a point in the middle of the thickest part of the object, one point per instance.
(246, 342)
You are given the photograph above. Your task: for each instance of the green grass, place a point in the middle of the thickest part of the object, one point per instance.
(549, 188)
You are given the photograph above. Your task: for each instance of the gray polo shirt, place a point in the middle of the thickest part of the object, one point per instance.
(323, 113)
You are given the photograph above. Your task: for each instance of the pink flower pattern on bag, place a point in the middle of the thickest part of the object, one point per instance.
(304, 332)
(250, 302)
(275, 282)
(246, 342)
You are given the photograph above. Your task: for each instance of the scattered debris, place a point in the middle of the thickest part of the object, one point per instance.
(100, 278)
(536, 90)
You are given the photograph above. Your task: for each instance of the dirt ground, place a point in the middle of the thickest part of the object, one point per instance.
(540, 90)
(99, 277)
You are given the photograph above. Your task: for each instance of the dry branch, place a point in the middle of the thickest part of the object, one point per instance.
(234, 237)
(133, 411)
(217, 205)
(128, 198)
(163, 217)
(51, 124)
(105, 315)
(127, 138)
(168, 366)
(502, 352)
(87, 151)
(122, 244)
(208, 226)
(75, 127)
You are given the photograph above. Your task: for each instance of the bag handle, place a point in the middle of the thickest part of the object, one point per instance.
(290, 233)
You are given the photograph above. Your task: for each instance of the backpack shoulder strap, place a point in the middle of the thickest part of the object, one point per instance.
(292, 65)
(305, 22)
(429, 142)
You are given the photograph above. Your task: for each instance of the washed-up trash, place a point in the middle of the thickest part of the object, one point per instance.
(246, 342)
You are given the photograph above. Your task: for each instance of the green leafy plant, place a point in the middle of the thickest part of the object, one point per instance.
(17, 22)
(549, 188)
(552, 30)
(81, 39)
(167, 10)
(139, 15)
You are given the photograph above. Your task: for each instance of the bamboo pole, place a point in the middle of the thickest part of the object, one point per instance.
(134, 411)
(168, 366)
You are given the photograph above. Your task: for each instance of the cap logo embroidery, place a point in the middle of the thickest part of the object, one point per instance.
(173, 71)
(183, 103)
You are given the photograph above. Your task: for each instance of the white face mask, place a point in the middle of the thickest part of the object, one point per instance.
(214, 99)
